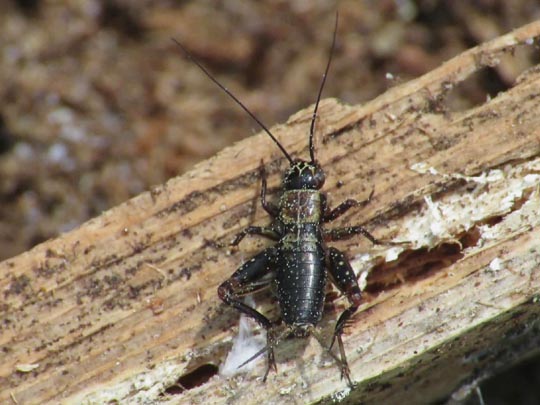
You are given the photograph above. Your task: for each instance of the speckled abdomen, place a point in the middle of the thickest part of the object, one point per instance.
(300, 281)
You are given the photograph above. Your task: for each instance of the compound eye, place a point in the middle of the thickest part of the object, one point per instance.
(319, 178)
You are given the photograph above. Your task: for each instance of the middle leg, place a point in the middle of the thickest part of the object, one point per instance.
(349, 232)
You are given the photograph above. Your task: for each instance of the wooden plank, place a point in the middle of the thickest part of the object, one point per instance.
(125, 305)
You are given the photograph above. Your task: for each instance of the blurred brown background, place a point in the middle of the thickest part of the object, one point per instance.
(97, 105)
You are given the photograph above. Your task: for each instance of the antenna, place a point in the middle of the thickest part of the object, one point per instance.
(231, 95)
(312, 128)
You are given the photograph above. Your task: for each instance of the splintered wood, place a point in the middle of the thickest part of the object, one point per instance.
(124, 308)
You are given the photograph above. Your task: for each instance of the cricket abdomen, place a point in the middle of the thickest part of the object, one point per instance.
(300, 278)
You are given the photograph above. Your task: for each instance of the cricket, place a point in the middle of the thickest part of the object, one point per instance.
(300, 264)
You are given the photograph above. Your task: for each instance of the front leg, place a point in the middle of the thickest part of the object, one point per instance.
(256, 230)
(272, 210)
(249, 278)
(343, 277)
(342, 208)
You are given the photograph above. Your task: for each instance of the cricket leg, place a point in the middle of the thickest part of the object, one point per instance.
(344, 279)
(272, 210)
(342, 208)
(344, 370)
(349, 232)
(256, 230)
(248, 278)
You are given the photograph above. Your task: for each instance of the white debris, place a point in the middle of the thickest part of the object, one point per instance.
(26, 368)
(495, 264)
(245, 345)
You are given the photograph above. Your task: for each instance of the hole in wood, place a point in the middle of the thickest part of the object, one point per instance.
(192, 379)
(412, 265)
(476, 89)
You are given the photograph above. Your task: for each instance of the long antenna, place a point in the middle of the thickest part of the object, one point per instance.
(312, 128)
(231, 95)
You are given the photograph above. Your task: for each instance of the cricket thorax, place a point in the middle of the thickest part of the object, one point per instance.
(300, 207)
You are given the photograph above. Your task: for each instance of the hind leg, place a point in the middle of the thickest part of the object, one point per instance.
(344, 279)
(250, 277)
(345, 372)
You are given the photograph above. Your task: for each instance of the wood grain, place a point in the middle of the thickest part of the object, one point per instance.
(122, 307)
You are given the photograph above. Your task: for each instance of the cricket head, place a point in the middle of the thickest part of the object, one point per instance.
(303, 175)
